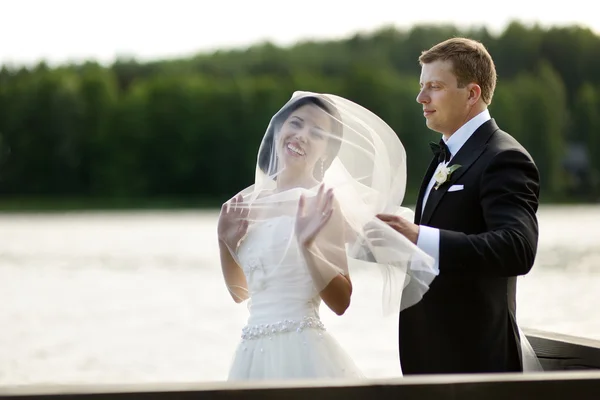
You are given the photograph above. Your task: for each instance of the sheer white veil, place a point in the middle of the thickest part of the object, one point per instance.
(322, 142)
(530, 360)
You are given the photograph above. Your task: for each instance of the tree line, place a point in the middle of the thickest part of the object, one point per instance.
(190, 128)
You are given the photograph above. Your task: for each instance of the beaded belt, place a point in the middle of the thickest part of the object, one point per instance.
(269, 330)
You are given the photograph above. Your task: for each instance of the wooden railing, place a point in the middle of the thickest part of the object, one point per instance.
(572, 372)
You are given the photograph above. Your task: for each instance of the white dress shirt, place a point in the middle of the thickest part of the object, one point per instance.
(429, 238)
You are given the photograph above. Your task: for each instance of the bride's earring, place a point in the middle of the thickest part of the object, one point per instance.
(322, 169)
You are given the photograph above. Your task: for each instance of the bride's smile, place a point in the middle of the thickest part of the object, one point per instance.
(294, 149)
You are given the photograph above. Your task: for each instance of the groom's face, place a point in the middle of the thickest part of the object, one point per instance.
(445, 105)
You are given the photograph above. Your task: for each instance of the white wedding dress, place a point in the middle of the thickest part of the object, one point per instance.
(284, 337)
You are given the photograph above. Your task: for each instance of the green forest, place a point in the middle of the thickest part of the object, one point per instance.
(185, 132)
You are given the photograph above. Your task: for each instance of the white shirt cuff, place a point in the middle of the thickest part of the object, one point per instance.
(429, 242)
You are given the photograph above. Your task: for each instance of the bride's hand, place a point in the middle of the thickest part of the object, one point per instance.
(233, 222)
(310, 221)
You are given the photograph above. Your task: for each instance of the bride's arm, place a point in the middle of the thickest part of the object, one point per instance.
(233, 274)
(326, 256)
(231, 228)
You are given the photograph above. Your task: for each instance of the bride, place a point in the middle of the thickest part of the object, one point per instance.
(326, 166)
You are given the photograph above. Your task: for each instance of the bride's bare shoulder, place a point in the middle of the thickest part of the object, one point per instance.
(265, 193)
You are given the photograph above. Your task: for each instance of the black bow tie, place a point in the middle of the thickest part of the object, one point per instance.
(441, 151)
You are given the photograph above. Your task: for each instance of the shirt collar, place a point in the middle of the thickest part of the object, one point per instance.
(459, 138)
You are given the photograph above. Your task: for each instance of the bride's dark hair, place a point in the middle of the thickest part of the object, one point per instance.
(265, 162)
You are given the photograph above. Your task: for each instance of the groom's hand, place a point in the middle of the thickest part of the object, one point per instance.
(401, 225)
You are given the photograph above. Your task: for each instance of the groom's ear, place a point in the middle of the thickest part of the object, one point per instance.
(474, 93)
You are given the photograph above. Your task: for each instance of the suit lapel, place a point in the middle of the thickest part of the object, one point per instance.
(466, 156)
(430, 170)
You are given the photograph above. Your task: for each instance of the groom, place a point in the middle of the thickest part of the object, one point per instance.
(475, 215)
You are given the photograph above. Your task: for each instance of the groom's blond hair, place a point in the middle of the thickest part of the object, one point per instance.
(471, 63)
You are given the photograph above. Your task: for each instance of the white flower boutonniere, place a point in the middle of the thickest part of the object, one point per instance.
(443, 174)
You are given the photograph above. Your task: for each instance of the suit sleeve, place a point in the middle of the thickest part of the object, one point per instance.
(509, 201)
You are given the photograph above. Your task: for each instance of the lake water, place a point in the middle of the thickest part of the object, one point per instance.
(138, 297)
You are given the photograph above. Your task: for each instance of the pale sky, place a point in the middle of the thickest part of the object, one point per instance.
(72, 30)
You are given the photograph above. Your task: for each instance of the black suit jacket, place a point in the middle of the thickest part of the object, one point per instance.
(488, 236)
